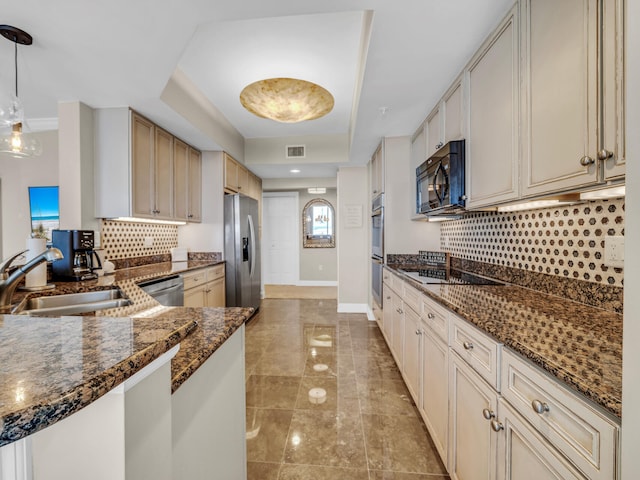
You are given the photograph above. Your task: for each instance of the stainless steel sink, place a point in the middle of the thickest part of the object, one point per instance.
(72, 303)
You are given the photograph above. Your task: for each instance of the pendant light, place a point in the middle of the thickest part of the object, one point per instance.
(16, 143)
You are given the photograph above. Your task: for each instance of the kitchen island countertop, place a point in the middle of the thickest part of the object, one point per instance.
(53, 367)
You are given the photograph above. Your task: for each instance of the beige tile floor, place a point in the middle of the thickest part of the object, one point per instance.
(367, 427)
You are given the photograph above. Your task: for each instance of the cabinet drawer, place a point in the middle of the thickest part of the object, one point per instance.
(193, 279)
(215, 272)
(436, 317)
(480, 351)
(412, 297)
(386, 276)
(584, 435)
(397, 284)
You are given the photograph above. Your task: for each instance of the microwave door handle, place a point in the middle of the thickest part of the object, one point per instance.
(435, 181)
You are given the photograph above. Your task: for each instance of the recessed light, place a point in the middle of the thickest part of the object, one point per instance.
(317, 190)
(295, 170)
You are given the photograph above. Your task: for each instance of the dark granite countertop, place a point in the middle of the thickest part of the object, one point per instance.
(53, 367)
(579, 344)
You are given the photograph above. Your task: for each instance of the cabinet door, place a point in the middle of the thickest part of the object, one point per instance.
(492, 147)
(473, 442)
(377, 175)
(525, 454)
(613, 114)
(195, 297)
(142, 138)
(163, 166)
(243, 180)
(412, 353)
(398, 330)
(195, 186)
(435, 389)
(418, 156)
(387, 313)
(434, 132)
(230, 173)
(453, 112)
(560, 41)
(180, 179)
(215, 294)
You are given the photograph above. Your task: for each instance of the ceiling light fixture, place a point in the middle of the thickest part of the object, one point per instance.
(317, 190)
(11, 111)
(295, 170)
(286, 100)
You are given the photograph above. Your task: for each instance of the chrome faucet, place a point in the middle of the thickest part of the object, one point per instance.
(9, 282)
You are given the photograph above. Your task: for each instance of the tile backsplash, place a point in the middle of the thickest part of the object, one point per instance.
(122, 240)
(566, 241)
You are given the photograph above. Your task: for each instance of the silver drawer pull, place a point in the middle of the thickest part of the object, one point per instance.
(586, 161)
(418, 332)
(496, 426)
(431, 315)
(488, 414)
(468, 345)
(539, 407)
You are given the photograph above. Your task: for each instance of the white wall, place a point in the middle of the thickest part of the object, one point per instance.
(631, 330)
(401, 234)
(76, 160)
(318, 264)
(15, 176)
(353, 250)
(208, 236)
(318, 149)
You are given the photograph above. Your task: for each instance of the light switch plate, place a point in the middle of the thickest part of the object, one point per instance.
(614, 251)
(148, 242)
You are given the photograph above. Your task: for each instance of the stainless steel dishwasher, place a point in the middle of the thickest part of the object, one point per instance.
(166, 290)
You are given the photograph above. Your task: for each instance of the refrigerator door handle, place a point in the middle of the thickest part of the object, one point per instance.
(252, 235)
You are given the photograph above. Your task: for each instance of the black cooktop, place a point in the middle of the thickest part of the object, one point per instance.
(448, 276)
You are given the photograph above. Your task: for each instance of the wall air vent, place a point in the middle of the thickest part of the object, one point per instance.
(295, 151)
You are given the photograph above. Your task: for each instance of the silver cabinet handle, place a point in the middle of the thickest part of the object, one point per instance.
(604, 154)
(388, 298)
(586, 161)
(468, 345)
(496, 426)
(539, 407)
(439, 145)
(418, 332)
(431, 315)
(488, 414)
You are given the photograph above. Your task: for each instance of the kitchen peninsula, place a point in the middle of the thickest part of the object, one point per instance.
(128, 395)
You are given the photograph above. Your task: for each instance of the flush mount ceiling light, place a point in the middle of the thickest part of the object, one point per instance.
(11, 111)
(286, 100)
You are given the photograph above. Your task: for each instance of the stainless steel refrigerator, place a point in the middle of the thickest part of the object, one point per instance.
(241, 251)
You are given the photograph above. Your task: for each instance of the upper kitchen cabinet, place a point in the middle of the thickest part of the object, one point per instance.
(236, 176)
(418, 156)
(139, 169)
(445, 122)
(493, 113)
(572, 94)
(377, 171)
(187, 167)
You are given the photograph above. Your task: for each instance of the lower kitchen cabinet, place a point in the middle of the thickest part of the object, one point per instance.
(474, 443)
(435, 389)
(412, 352)
(398, 330)
(524, 453)
(205, 287)
(387, 313)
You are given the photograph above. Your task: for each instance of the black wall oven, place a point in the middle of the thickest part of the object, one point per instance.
(440, 181)
(377, 247)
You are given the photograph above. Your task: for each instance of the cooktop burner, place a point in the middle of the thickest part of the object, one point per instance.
(448, 276)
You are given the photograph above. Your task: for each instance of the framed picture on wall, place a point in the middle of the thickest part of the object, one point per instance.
(44, 207)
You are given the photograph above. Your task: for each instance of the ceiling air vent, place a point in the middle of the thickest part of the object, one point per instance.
(295, 151)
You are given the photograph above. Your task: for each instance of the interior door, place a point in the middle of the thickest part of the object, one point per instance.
(280, 238)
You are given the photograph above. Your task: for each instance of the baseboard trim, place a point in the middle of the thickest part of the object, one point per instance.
(352, 308)
(316, 283)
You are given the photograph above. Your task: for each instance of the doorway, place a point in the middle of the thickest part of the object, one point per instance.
(280, 238)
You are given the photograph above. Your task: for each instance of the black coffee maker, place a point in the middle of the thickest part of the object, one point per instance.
(80, 259)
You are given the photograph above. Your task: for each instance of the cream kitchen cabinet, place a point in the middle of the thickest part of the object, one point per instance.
(418, 156)
(434, 131)
(397, 343)
(236, 176)
(493, 117)
(377, 171)
(446, 121)
(473, 450)
(412, 353)
(187, 168)
(387, 313)
(573, 122)
(205, 287)
(135, 168)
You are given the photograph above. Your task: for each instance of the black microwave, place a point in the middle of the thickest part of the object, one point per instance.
(440, 181)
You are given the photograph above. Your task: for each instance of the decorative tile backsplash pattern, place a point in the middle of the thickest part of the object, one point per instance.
(565, 241)
(126, 239)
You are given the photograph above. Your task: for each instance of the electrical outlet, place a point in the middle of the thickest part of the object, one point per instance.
(148, 242)
(614, 251)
